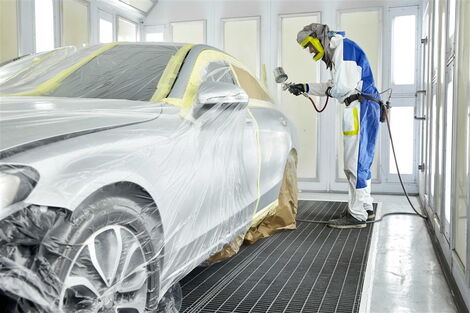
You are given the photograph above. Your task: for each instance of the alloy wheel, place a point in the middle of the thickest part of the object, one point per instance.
(109, 274)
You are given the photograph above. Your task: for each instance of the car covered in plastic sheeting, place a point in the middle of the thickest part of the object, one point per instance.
(124, 166)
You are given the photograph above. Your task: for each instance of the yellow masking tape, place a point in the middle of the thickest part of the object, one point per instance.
(262, 214)
(170, 73)
(204, 58)
(54, 82)
(356, 124)
(258, 148)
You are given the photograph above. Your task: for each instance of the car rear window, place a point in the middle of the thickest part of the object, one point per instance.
(124, 72)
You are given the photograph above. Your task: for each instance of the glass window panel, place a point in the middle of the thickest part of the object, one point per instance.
(189, 32)
(402, 127)
(403, 49)
(127, 30)
(8, 30)
(106, 31)
(452, 13)
(448, 165)
(435, 38)
(241, 39)
(44, 25)
(299, 66)
(155, 37)
(75, 23)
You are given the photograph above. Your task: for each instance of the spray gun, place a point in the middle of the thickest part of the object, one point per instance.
(281, 77)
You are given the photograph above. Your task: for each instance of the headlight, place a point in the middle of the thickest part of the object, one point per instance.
(16, 183)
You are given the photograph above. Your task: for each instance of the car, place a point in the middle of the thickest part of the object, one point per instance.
(124, 166)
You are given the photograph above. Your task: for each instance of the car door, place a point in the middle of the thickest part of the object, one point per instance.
(227, 183)
(275, 134)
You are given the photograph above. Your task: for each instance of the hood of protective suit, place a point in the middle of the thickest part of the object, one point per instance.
(319, 31)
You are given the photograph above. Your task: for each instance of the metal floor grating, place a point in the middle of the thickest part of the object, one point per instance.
(311, 269)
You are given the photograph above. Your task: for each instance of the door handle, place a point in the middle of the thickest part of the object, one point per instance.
(283, 122)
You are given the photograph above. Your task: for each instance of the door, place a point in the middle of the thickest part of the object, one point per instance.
(275, 138)
(421, 104)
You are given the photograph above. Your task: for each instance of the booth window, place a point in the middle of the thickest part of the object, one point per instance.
(106, 27)
(403, 59)
(44, 25)
(127, 30)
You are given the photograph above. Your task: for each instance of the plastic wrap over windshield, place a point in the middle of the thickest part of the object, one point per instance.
(112, 71)
(107, 203)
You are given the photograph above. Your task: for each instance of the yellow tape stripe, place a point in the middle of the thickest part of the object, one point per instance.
(204, 58)
(170, 73)
(54, 82)
(259, 216)
(356, 124)
(258, 148)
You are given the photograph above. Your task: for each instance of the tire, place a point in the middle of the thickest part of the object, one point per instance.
(111, 257)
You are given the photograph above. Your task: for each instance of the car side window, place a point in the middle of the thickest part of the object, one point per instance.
(218, 71)
(250, 85)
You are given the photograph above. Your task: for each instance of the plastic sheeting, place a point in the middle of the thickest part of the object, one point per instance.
(281, 216)
(107, 204)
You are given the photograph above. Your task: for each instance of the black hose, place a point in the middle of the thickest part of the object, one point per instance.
(416, 213)
(315, 106)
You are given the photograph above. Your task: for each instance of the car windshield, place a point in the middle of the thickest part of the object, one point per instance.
(124, 71)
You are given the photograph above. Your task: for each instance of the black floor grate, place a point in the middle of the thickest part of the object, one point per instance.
(311, 269)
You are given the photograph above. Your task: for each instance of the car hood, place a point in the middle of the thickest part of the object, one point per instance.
(26, 120)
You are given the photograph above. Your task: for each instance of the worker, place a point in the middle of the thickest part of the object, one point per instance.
(351, 77)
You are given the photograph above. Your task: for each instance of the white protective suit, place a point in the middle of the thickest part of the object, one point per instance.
(351, 74)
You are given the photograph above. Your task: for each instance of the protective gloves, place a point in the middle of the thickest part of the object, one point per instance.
(298, 89)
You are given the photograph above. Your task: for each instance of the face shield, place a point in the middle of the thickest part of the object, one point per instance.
(317, 46)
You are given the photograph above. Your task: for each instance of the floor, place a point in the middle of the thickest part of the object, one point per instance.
(312, 269)
(404, 275)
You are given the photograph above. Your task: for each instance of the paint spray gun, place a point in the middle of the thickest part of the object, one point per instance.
(281, 77)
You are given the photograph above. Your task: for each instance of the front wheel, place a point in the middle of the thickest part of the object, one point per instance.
(109, 274)
(112, 262)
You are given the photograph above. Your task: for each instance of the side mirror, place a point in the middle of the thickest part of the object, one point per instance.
(220, 96)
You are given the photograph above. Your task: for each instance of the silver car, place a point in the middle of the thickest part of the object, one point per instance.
(125, 166)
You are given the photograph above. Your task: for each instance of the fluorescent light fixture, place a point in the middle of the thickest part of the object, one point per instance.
(142, 5)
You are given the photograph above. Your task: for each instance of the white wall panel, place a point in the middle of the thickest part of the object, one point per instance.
(189, 32)
(300, 67)
(8, 30)
(241, 39)
(75, 23)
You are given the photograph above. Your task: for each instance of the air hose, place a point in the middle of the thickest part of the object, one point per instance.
(315, 106)
(384, 107)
